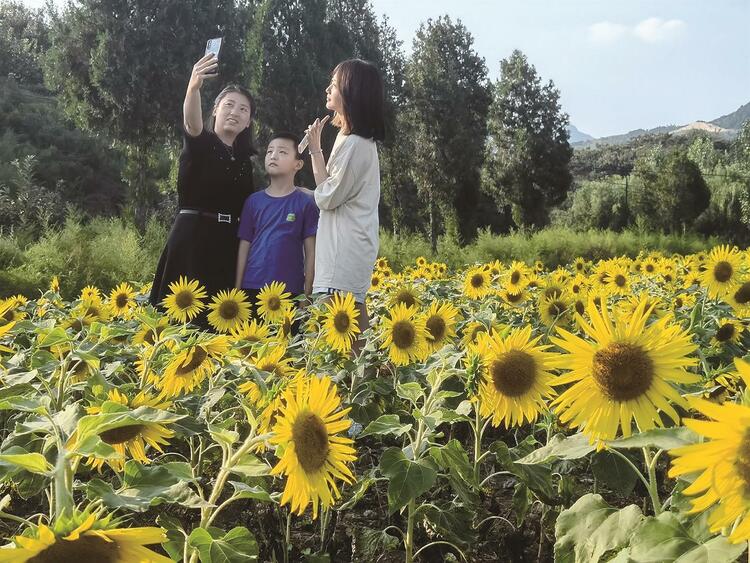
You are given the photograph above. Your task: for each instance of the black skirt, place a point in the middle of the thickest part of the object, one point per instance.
(199, 248)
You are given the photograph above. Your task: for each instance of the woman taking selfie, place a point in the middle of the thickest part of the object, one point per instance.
(348, 187)
(215, 176)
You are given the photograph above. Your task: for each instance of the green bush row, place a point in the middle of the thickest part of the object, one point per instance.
(105, 252)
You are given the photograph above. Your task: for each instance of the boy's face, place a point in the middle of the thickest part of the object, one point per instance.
(281, 158)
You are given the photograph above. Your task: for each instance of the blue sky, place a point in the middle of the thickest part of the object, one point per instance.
(619, 64)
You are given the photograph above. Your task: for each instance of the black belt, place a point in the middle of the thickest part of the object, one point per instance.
(219, 217)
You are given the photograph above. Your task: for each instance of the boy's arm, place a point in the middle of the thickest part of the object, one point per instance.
(309, 246)
(242, 253)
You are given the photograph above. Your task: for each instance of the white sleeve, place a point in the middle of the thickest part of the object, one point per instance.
(338, 187)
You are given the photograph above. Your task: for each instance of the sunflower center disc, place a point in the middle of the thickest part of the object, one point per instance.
(341, 321)
(580, 307)
(85, 548)
(742, 295)
(91, 311)
(406, 298)
(184, 299)
(8, 316)
(723, 271)
(742, 461)
(274, 303)
(121, 435)
(196, 360)
(623, 371)
(556, 308)
(436, 327)
(229, 310)
(513, 297)
(515, 277)
(477, 281)
(403, 334)
(725, 332)
(620, 280)
(310, 442)
(121, 300)
(552, 292)
(513, 373)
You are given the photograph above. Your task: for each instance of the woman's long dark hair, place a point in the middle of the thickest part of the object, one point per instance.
(362, 93)
(243, 144)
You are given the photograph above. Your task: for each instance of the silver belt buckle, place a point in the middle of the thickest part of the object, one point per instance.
(225, 218)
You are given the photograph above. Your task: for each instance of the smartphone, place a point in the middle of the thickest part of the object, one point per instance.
(213, 46)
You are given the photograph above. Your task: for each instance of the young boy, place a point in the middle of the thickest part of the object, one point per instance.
(277, 227)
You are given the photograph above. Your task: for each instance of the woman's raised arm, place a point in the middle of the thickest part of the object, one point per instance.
(191, 108)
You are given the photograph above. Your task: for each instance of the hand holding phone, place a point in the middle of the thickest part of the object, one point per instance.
(213, 46)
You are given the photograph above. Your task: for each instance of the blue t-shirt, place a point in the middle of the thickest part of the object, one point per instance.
(275, 228)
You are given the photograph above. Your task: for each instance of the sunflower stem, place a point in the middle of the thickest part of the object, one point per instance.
(652, 486)
(288, 536)
(409, 539)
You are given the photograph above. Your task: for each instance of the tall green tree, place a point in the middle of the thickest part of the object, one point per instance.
(121, 67)
(670, 195)
(446, 112)
(24, 37)
(528, 152)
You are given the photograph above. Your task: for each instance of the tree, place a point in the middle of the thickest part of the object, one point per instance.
(672, 195)
(121, 66)
(24, 37)
(446, 113)
(528, 153)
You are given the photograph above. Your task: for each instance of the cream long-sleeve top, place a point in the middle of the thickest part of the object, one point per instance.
(346, 245)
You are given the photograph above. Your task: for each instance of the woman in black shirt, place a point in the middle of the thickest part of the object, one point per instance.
(215, 177)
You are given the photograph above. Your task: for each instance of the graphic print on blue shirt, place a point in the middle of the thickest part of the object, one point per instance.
(276, 227)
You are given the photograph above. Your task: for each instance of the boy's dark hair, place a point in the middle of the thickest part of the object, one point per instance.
(289, 137)
(363, 96)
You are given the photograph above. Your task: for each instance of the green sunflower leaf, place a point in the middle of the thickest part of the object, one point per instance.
(407, 479)
(386, 424)
(559, 447)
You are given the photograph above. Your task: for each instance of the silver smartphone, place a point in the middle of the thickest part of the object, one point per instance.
(213, 46)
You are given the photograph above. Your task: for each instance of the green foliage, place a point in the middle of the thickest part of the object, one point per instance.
(595, 204)
(68, 165)
(103, 252)
(526, 163)
(446, 120)
(675, 187)
(23, 39)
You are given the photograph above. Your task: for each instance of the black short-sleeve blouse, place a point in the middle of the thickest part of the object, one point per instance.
(213, 176)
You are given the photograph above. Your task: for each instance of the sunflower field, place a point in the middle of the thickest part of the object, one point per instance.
(504, 412)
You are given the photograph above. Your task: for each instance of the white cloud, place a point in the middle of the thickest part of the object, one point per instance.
(653, 30)
(607, 32)
(650, 30)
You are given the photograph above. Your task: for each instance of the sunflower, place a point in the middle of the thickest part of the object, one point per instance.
(381, 263)
(93, 539)
(624, 373)
(149, 335)
(555, 310)
(421, 261)
(142, 399)
(495, 269)
(650, 266)
(440, 322)
(272, 301)
(184, 302)
(516, 277)
(683, 300)
(54, 285)
(90, 292)
(191, 366)
(477, 282)
(272, 359)
(122, 299)
(228, 309)
(5, 329)
(130, 439)
(723, 461)
(405, 335)
(728, 330)
(722, 271)
(314, 454)
(618, 280)
(653, 304)
(739, 299)
(11, 313)
(515, 382)
(513, 299)
(472, 332)
(340, 326)
(251, 332)
(406, 295)
(376, 280)
(580, 265)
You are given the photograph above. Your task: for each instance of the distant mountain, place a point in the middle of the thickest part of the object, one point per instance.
(578, 136)
(735, 119)
(724, 127)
